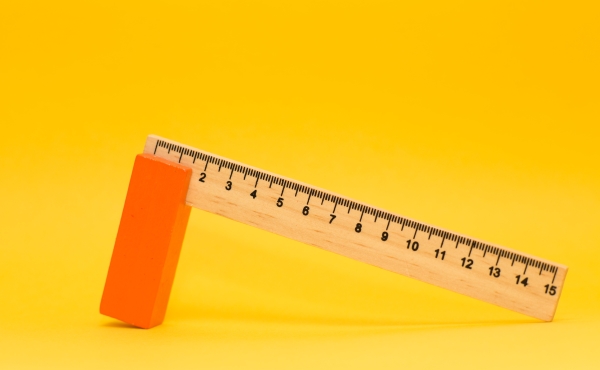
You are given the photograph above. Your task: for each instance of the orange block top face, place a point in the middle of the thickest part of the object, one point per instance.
(146, 252)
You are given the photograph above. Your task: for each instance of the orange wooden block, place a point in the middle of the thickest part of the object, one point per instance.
(144, 259)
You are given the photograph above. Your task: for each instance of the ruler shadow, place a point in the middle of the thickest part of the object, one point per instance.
(343, 288)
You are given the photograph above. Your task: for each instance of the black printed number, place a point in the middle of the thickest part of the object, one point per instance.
(524, 281)
(384, 236)
(253, 194)
(467, 263)
(332, 217)
(495, 271)
(440, 254)
(414, 245)
(305, 210)
(358, 227)
(280, 202)
(228, 187)
(202, 177)
(550, 289)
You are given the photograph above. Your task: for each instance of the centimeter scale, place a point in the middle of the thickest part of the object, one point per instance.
(170, 177)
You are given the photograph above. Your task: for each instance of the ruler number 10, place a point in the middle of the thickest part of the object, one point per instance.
(414, 245)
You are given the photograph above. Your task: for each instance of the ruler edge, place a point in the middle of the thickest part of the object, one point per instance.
(559, 267)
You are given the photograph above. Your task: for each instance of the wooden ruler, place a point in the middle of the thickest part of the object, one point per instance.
(495, 274)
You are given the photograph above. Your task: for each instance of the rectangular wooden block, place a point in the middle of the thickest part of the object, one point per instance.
(146, 252)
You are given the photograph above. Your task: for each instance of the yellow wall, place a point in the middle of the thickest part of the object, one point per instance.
(477, 116)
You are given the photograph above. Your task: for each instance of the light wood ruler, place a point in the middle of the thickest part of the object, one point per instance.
(495, 274)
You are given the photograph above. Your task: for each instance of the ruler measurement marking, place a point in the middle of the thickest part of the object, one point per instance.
(486, 248)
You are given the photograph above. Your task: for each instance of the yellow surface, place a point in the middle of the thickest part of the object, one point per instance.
(478, 116)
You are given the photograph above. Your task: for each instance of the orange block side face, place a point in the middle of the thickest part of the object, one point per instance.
(146, 252)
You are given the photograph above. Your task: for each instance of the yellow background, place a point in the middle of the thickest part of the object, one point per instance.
(477, 116)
